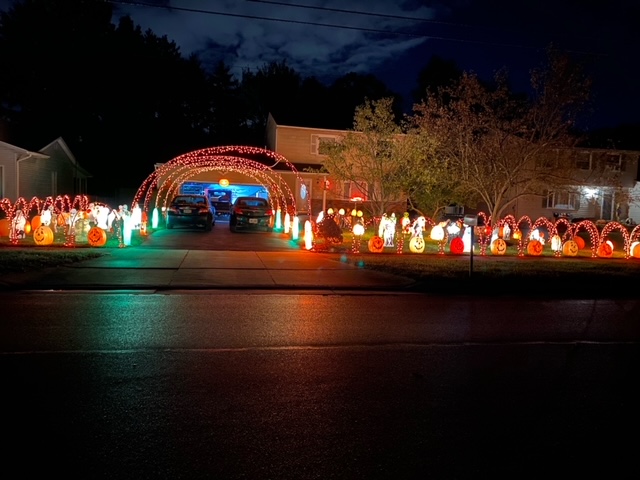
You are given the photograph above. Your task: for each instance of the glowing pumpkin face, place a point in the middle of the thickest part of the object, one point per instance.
(457, 246)
(375, 244)
(43, 235)
(605, 250)
(416, 245)
(498, 247)
(570, 248)
(535, 248)
(97, 237)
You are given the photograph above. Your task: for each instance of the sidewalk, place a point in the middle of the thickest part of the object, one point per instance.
(165, 269)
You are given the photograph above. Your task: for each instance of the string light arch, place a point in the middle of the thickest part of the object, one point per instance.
(256, 163)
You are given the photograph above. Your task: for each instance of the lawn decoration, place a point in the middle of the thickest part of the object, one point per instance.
(387, 229)
(18, 225)
(4, 227)
(570, 248)
(466, 239)
(358, 231)
(35, 222)
(605, 250)
(498, 247)
(579, 241)
(416, 244)
(417, 227)
(634, 250)
(376, 244)
(535, 248)
(43, 235)
(97, 237)
(457, 246)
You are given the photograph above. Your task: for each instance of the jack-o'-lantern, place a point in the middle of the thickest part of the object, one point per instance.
(535, 248)
(97, 237)
(498, 247)
(634, 251)
(605, 250)
(416, 245)
(4, 227)
(43, 235)
(35, 222)
(570, 248)
(375, 244)
(580, 241)
(457, 246)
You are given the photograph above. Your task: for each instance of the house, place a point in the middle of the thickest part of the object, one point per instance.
(613, 195)
(51, 171)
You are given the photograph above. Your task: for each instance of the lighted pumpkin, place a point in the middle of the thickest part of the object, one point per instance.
(61, 220)
(35, 222)
(457, 246)
(97, 237)
(498, 247)
(43, 235)
(27, 228)
(437, 233)
(570, 248)
(4, 227)
(580, 241)
(605, 250)
(635, 250)
(375, 244)
(416, 245)
(535, 248)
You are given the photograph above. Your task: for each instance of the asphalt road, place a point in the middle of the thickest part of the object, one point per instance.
(247, 385)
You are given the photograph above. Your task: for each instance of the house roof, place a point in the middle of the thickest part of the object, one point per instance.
(21, 151)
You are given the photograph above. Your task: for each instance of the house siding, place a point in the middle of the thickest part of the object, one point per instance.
(8, 162)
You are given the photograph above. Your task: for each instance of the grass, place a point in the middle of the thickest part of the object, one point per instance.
(546, 274)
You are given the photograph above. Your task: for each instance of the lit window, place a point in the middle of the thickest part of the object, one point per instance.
(562, 200)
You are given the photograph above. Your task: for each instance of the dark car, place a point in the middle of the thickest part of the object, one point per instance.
(251, 213)
(191, 210)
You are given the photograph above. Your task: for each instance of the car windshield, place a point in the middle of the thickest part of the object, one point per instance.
(189, 200)
(252, 202)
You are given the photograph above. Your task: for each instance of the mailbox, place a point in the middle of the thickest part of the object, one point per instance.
(471, 220)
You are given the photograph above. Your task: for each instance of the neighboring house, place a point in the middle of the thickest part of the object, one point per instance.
(51, 171)
(614, 196)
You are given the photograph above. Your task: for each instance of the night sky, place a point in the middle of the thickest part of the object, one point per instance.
(330, 38)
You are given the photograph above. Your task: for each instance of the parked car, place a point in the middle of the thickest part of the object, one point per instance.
(191, 210)
(251, 213)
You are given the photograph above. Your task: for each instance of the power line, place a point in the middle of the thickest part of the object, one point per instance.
(328, 25)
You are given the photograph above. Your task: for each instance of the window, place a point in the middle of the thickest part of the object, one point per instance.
(353, 190)
(583, 161)
(613, 162)
(318, 140)
(561, 200)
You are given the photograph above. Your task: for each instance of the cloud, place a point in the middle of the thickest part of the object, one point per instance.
(327, 41)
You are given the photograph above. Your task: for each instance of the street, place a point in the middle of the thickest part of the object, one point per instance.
(282, 385)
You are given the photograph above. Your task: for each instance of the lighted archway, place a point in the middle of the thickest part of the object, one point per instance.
(256, 163)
